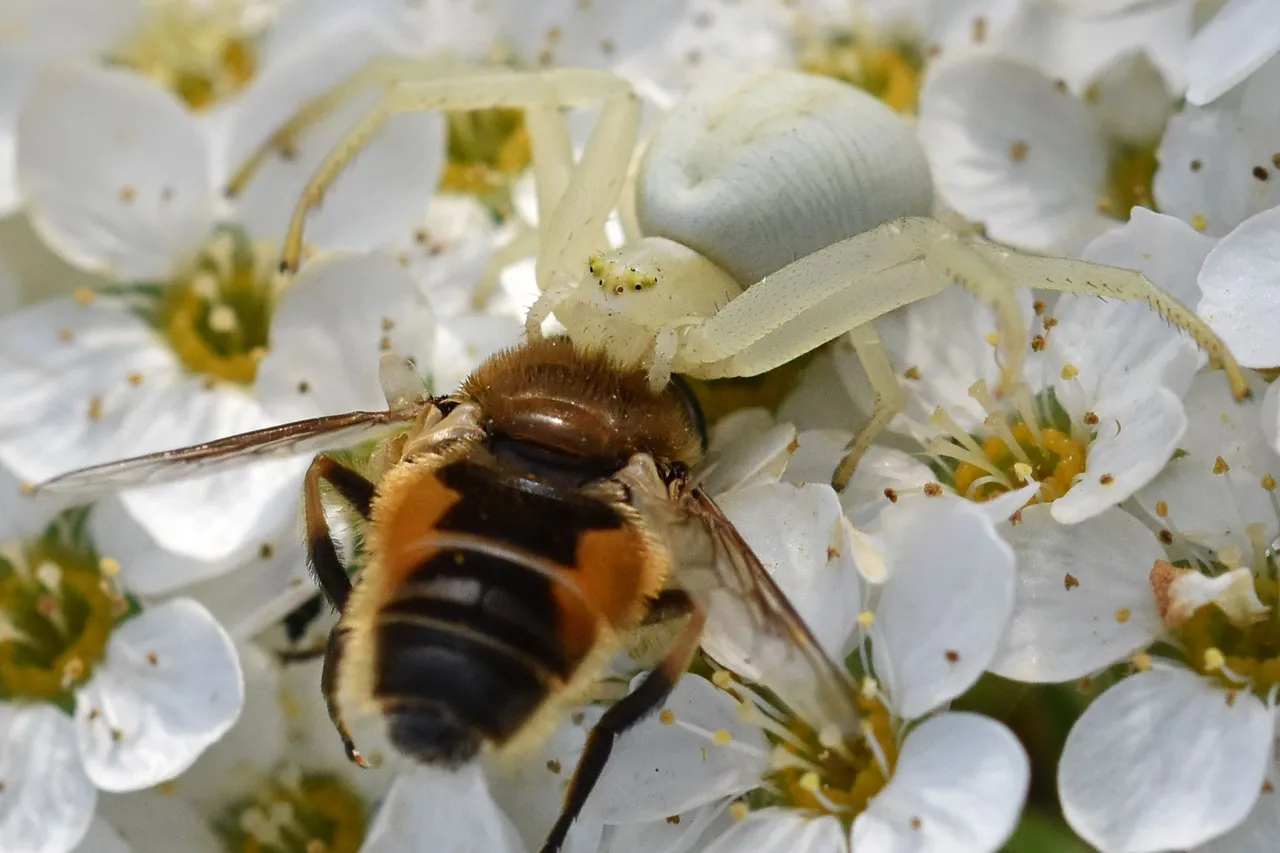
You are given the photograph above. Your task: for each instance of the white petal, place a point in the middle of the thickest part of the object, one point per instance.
(333, 324)
(1207, 160)
(1239, 39)
(102, 838)
(132, 202)
(659, 770)
(262, 590)
(958, 787)
(93, 383)
(453, 810)
(566, 32)
(154, 821)
(1165, 249)
(51, 28)
(463, 341)
(214, 517)
(1072, 584)
(797, 531)
(779, 830)
(1163, 760)
(751, 459)
(1241, 284)
(1012, 151)
(1205, 503)
(692, 831)
(48, 800)
(1132, 445)
(251, 749)
(1259, 830)
(1271, 416)
(531, 787)
(384, 190)
(141, 723)
(945, 605)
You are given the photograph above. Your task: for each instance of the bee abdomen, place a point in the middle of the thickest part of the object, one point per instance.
(445, 693)
(464, 658)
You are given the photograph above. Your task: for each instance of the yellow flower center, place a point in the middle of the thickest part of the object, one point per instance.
(57, 610)
(890, 69)
(1035, 440)
(488, 149)
(200, 51)
(1131, 171)
(1055, 460)
(839, 779)
(1233, 653)
(298, 813)
(216, 313)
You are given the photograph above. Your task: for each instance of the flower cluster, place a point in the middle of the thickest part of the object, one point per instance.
(1052, 593)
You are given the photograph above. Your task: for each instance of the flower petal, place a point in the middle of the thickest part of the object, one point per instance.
(958, 787)
(132, 202)
(1012, 151)
(331, 327)
(251, 748)
(779, 830)
(1132, 445)
(750, 459)
(531, 788)
(1240, 280)
(170, 686)
(1083, 598)
(1213, 490)
(1164, 760)
(1234, 44)
(384, 190)
(453, 809)
(261, 591)
(48, 801)
(658, 770)
(797, 531)
(945, 605)
(1259, 830)
(1209, 160)
(692, 831)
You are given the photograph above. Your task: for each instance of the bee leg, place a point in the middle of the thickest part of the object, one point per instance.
(329, 687)
(628, 711)
(331, 574)
(322, 553)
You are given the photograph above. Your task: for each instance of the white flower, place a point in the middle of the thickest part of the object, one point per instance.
(98, 694)
(210, 343)
(956, 782)
(1239, 39)
(1218, 163)
(1177, 754)
(1100, 413)
(1038, 164)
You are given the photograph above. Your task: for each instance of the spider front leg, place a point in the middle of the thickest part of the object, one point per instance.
(490, 89)
(1084, 278)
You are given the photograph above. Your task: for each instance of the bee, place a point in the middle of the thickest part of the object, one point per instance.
(517, 533)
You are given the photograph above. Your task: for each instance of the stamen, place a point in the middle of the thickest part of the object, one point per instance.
(869, 735)
(943, 448)
(749, 713)
(720, 738)
(781, 758)
(944, 421)
(1027, 411)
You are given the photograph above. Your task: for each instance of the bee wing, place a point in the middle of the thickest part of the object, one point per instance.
(291, 439)
(753, 628)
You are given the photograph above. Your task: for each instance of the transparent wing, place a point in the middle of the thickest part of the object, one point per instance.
(753, 628)
(300, 437)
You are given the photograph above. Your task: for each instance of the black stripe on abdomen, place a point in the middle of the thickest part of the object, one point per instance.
(444, 693)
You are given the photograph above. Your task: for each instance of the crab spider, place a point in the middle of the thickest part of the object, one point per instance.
(765, 218)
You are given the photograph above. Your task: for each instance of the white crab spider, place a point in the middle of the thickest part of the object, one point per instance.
(764, 218)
